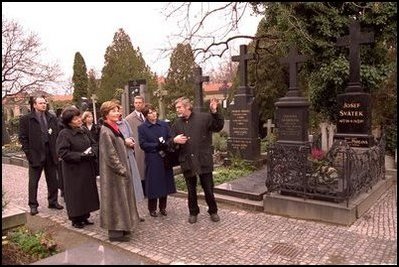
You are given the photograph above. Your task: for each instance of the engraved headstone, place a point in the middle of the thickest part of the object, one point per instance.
(244, 119)
(293, 109)
(354, 106)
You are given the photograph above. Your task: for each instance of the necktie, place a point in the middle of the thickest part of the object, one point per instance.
(43, 124)
(141, 117)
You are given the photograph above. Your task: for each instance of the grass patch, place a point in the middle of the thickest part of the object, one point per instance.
(220, 175)
(35, 246)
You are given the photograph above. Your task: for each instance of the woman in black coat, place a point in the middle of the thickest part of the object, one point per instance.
(78, 152)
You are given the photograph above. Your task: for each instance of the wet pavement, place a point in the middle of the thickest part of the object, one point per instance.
(241, 237)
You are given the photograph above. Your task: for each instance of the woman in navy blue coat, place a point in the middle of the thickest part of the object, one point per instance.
(154, 138)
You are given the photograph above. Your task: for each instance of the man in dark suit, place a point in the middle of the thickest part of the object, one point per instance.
(38, 132)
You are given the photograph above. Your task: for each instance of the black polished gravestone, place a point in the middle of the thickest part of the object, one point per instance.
(198, 94)
(292, 110)
(244, 119)
(354, 115)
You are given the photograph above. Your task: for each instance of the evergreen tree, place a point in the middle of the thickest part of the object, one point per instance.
(79, 78)
(123, 63)
(93, 83)
(179, 81)
(314, 28)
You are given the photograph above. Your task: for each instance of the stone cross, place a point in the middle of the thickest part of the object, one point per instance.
(269, 125)
(353, 41)
(243, 58)
(293, 59)
(198, 80)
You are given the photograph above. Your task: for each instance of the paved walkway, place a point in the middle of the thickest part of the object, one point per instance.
(241, 237)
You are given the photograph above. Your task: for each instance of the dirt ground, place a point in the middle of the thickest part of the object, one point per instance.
(65, 239)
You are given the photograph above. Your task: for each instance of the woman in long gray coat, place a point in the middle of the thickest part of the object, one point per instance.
(118, 211)
(78, 168)
(131, 145)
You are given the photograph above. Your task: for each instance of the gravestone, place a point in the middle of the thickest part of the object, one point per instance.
(244, 119)
(198, 94)
(354, 115)
(269, 126)
(132, 89)
(292, 110)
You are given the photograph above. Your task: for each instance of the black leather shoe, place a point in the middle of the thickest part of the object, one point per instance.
(33, 211)
(55, 206)
(79, 225)
(141, 219)
(124, 238)
(128, 233)
(153, 214)
(87, 222)
(163, 212)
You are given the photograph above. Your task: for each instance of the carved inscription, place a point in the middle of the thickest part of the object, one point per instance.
(239, 125)
(351, 112)
(240, 144)
(290, 127)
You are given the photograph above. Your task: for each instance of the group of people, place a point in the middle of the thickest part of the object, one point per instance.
(129, 156)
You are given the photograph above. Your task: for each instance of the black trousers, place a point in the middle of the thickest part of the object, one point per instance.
(206, 180)
(152, 203)
(50, 172)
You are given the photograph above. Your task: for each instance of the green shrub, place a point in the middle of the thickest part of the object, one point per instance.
(219, 141)
(221, 174)
(267, 141)
(39, 244)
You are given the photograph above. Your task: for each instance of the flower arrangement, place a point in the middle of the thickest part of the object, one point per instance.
(321, 168)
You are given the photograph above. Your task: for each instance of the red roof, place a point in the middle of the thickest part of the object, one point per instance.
(62, 97)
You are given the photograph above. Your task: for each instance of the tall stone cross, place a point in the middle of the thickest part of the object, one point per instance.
(293, 59)
(353, 41)
(243, 58)
(198, 80)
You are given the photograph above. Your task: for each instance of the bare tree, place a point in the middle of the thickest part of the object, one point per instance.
(207, 36)
(22, 69)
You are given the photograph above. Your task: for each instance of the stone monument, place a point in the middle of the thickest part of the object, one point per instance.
(244, 121)
(293, 110)
(354, 115)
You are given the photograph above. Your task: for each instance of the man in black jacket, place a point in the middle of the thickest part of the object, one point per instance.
(193, 136)
(38, 132)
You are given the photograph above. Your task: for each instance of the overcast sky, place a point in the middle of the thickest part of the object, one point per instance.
(89, 28)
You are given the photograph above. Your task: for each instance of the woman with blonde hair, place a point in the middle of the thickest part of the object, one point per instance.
(118, 210)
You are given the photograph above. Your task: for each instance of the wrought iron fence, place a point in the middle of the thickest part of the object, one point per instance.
(340, 175)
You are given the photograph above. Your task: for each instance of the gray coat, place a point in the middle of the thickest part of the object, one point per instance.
(118, 210)
(134, 122)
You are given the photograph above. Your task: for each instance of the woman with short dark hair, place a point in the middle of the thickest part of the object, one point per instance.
(77, 151)
(155, 138)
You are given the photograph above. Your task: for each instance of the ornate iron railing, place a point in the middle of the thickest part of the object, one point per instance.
(342, 174)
